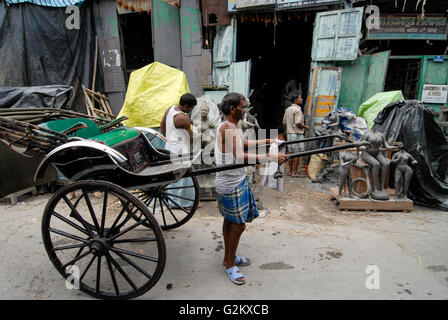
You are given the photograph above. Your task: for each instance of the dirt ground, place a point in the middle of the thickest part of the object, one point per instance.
(301, 247)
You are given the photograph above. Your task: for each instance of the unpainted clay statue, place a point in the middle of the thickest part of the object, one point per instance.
(378, 162)
(403, 172)
(322, 131)
(205, 127)
(248, 125)
(332, 123)
(346, 160)
(332, 127)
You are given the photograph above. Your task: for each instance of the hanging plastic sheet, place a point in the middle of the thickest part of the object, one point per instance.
(151, 90)
(346, 121)
(412, 123)
(39, 96)
(37, 48)
(369, 109)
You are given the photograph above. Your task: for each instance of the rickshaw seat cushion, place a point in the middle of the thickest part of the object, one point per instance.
(117, 136)
(62, 125)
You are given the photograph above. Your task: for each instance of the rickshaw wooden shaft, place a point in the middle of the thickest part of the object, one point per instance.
(198, 172)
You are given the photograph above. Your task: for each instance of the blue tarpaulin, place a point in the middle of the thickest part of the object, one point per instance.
(48, 3)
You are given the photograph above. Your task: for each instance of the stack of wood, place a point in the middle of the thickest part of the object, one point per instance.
(97, 105)
(29, 135)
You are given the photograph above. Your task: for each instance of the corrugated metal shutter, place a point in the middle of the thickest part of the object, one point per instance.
(362, 79)
(326, 94)
(240, 76)
(190, 18)
(166, 33)
(226, 72)
(223, 55)
(109, 52)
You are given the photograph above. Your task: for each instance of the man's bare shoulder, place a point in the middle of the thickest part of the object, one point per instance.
(181, 120)
(181, 115)
(228, 125)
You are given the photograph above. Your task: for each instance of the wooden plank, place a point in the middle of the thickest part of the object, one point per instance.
(310, 108)
(93, 98)
(88, 102)
(12, 197)
(108, 106)
(95, 63)
(90, 107)
(103, 105)
(95, 93)
(370, 204)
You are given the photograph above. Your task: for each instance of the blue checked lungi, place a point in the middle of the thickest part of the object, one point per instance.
(239, 206)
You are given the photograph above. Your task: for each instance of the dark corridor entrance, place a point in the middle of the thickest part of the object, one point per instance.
(404, 75)
(276, 58)
(136, 39)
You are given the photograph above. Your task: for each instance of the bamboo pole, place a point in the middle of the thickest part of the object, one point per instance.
(95, 63)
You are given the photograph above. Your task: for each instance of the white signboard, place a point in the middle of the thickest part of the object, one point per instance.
(434, 93)
(233, 5)
(288, 4)
(254, 3)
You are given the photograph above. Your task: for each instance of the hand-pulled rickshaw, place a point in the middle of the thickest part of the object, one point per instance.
(103, 230)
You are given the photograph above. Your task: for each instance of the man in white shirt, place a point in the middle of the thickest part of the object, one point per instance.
(176, 127)
(294, 122)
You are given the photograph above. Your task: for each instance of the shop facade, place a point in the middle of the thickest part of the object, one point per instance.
(327, 47)
(265, 45)
(406, 51)
(145, 31)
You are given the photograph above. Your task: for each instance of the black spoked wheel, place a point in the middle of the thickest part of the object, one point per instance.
(93, 242)
(172, 205)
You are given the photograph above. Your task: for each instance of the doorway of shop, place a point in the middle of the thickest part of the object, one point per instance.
(136, 41)
(404, 75)
(278, 54)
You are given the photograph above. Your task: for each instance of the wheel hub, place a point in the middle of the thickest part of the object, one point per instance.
(99, 246)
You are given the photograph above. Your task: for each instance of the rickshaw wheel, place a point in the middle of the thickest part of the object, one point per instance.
(169, 208)
(97, 247)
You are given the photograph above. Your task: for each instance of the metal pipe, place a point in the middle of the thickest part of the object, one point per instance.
(341, 136)
(198, 172)
(329, 149)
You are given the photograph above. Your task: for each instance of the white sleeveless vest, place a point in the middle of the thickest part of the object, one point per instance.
(228, 180)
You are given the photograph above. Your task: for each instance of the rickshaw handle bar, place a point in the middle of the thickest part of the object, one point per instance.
(341, 136)
(329, 149)
(199, 172)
